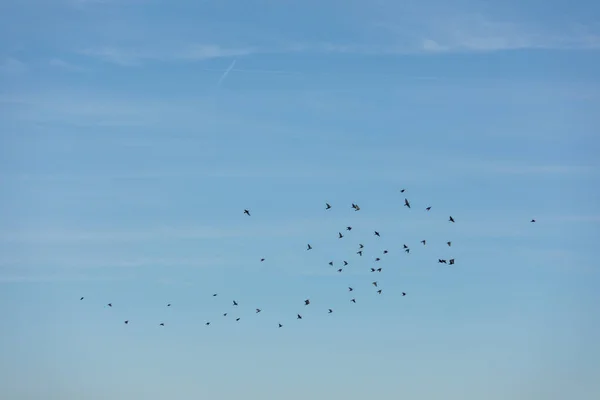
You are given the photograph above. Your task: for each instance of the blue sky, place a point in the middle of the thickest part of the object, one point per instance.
(127, 158)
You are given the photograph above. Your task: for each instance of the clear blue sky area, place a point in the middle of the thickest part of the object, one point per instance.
(134, 133)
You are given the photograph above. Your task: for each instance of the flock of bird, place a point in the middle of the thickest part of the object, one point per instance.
(359, 252)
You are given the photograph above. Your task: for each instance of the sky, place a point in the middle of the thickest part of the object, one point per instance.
(133, 134)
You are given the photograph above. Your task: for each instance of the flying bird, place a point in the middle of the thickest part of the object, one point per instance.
(235, 303)
(405, 246)
(428, 208)
(340, 270)
(237, 319)
(372, 269)
(379, 269)
(126, 322)
(407, 251)
(258, 310)
(440, 261)
(225, 314)
(353, 300)
(306, 302)
(406, 203)
(299, 316)
(348, 228)
(360, 246)
(331, 263)
(377, 234)
(169, 305)
(214, 295)
(451, 219)
(449, 244)
(403, 294)
(207, 324)
(385, 252)
(161, 324)
(280, 325)
(402, 190)
(327, 206)
(109, 304)
(359, 253)
(350, 289)
(81, 299)
(330, 311)
(374, 283)
(379, 291)
(345, 263)
(262, 259)
(308, 247)
(377, 259)
(247, 212)
(340, 235)
(451, 261)
(424, 242)
(533, 220)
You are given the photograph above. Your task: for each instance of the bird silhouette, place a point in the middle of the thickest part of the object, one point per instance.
(169, 305)
(237, 319)
(161, 324)
(327, 206)
(449, 244)
(308, 247)
(374, 283)
(379, 269)
(441, 261)
(424, 242)
(258, 310)
(377, 234)
(360, 246)
(280, 325)
(353, 300)
(451, 261)
(402, 191)
(330, 311)
(403, 294)
(214, 295)
(247, 212)
(225, 314)
(331, 263)
(235, 303)
(81, 298)
(359, 253)
(406, 203)
(405, 246)
(340, 235)
(372, 269)
(207, 324)
(451, 219)
(407, 251)
(377, 259)
(340, 270)
(126, 322)
(348, 228)
(345, 263)
(385, 252)
(306, 302)
(299, 316)
(109, 304)
(428, 208)
(379, 291)
(350, 289)
(262, 259)
(533, 220)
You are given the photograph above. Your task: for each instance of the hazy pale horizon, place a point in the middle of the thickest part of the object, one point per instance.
(134, 134)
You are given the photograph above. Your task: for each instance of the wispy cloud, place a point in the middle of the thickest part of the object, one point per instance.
(194, 52)
(12, 66)
(61, 64)
(541, 169)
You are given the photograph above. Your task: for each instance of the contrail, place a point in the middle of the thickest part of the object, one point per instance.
(225, 73)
